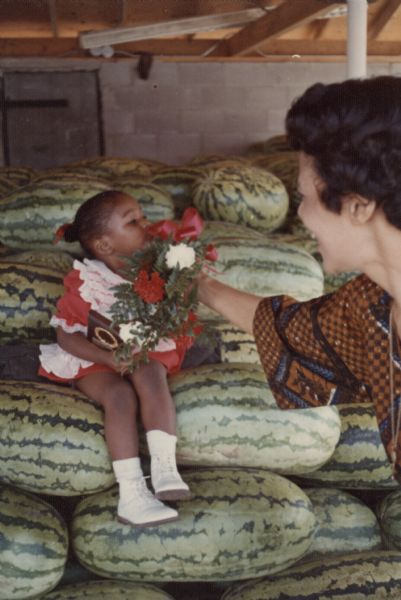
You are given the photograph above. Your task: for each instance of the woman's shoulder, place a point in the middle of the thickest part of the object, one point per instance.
(361, 289)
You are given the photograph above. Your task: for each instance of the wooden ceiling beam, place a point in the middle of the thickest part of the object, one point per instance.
(291, 49)
(288, 15)
(382, 17)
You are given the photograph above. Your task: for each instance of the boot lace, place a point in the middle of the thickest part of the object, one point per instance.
(165, 464)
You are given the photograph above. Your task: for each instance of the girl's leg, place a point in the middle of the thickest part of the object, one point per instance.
(156, 404)
(158, 418)
(119, 401)
(116, 395)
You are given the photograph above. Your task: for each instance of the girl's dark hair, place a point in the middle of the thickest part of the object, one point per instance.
(91, 219)
(353, 132)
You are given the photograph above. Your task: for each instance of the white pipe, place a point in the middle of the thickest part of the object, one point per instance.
(357, 25)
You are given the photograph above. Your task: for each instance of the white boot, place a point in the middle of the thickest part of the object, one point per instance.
(137, 505)
(166, 480)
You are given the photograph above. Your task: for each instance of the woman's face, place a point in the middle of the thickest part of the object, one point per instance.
(332, 231)
(126, 228)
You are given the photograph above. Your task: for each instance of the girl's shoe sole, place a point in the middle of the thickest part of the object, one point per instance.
(174, 495)
(150, 524)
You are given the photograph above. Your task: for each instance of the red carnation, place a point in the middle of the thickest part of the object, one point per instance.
(211, 253)
(149, 288)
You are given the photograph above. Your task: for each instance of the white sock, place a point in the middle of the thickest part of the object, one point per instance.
(126, 471)
(160, 442)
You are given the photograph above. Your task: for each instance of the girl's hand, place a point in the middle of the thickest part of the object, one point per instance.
(118, 366)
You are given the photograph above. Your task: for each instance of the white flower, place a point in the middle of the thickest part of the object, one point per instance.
(180, 255)
(133, 331)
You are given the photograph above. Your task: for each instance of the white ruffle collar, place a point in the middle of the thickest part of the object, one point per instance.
(97, 283)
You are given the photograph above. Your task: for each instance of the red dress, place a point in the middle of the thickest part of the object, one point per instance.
(88, 286)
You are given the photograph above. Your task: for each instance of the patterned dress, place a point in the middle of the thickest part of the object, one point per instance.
(333, 349)
(88, 286)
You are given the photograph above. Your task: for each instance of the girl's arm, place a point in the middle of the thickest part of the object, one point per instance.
(78, 345)
(236, 306)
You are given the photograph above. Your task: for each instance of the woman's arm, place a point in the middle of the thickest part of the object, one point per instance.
(236, 306)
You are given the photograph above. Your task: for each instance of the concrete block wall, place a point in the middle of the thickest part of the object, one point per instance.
(186, 108)
(189, 108)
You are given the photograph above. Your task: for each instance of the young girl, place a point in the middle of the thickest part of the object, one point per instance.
(110, 226)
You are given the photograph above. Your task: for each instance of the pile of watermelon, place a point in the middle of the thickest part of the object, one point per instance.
(286, 504)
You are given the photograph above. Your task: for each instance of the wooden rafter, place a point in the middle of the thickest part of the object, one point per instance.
(119, 35)
(287, 16)
(382, 18)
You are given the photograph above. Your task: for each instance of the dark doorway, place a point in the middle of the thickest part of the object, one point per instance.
(51, 118)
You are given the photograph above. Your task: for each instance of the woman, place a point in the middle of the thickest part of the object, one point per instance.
(342, 347)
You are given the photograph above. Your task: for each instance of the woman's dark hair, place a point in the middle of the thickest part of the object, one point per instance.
(353, 132)
(91, 219)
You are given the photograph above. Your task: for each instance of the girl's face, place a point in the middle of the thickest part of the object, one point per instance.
(333, 231)
(126, 227)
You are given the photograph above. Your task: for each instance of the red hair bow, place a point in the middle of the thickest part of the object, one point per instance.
(59, 235)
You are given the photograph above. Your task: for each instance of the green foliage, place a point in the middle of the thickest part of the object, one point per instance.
(171, 316)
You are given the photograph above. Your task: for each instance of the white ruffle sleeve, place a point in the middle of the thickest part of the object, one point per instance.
(61, 363)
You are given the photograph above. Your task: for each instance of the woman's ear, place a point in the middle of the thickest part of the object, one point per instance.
(359, 209)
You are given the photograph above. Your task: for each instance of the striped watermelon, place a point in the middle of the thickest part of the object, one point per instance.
(226, 415)
(50, 259)
(28, 296)
(52, 440)
(31, 215)
(388, 513)
(267, 268)
(156, 203)
(219, 230)
(108, 590)
(246, 195)
(33, 545)
(68, 173)
(359, 460)
(356, 576)
(304, 242)
(239, 524)
(113, 167)
(234, 344)
(345, 524)
(19, 176)
(284, 165)
(178, 182)
(6, 185)
(218, 160)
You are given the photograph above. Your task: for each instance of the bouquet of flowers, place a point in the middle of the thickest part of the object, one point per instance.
(158, 303)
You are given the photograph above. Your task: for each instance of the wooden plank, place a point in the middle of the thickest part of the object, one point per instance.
(161, 10)
(119, 35)
(184, 49)
(382, 18)
(68, 47)
(287, 16)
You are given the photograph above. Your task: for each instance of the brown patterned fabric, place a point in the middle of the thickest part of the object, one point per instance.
(330, 349)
